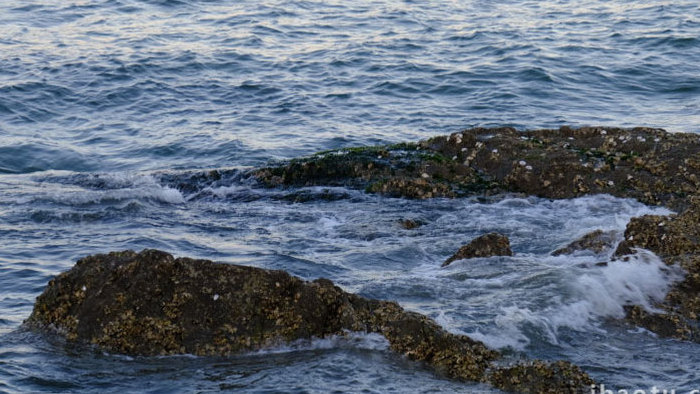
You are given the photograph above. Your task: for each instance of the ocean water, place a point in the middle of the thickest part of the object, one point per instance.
(107, 106)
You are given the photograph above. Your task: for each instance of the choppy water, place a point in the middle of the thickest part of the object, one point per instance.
(104, 104)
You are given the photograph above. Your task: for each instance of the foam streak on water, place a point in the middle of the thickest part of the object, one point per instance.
(105, 103)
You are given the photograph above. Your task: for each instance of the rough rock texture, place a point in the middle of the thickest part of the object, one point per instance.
(153, 304)
(487, 245)
(650, 165)
(410, 224)
(597, 241)
(676, 239)
(539, 377)
(666, 325)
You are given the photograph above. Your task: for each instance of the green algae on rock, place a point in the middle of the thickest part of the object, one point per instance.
(650, 165)
(151, 303)
(487, 245)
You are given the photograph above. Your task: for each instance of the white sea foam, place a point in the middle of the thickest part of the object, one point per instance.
(603, 292)
(329, 223)
(117, 187)
(583, 299)
(350, 340)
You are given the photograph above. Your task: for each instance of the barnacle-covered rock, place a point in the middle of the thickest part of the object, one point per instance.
(487, 245)
(650, 165)
(597, 241)
(151, 303)
(541, 377)
(676, 239)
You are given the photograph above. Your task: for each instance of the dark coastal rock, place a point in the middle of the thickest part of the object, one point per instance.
(597, 241)
(676, 240)
(410, 224)
(150, 303)
(402, 170)
(487, 245)
(650, 165)
(665, 325)
(539, 377)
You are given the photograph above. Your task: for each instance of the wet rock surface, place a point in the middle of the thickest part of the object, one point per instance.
(151, 303)
(650, 165)
(597, 241)
(487, 245)
(410, 224)
(666, 325)
(540, 377)
(676, 239)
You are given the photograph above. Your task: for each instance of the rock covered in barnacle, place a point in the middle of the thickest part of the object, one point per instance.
(150, 303)
(668, 324)
(676, 239)
(487, 245)
(410, 224)
(597, 241)
(540, 377)
(650, 165)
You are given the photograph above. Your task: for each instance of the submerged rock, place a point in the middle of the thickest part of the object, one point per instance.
(150, 303)
(410, 224)
(487, 245)
(597, 241)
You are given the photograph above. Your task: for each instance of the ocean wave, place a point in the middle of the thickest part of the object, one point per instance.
(584, 299)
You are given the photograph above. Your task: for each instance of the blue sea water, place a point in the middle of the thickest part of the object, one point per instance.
(106, 106)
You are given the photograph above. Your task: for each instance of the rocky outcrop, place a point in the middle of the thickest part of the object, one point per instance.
(597, 241)
(487, 245)
(650, 165)
(676, 239)
(150, 303)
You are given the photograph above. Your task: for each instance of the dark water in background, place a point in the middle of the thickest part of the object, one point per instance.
(98, 97)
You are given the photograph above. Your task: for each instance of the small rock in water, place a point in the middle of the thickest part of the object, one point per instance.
(597, 241)
(410, 224)
(492, 244)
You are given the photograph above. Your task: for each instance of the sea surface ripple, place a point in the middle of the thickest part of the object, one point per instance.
(107, 105)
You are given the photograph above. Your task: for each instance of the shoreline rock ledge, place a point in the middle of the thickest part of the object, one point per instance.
(150, 303)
